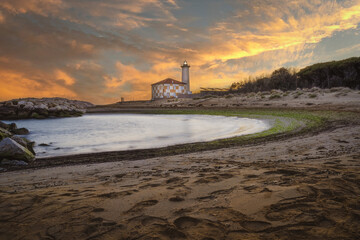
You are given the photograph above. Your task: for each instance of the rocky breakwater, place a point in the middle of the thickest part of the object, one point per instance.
(42, 108)
(14, 150)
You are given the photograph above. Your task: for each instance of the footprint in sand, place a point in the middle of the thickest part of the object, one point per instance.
(117, 194)
(212, 178)
(141, 205)
(200, 228)
(186, 222)
(255, 226)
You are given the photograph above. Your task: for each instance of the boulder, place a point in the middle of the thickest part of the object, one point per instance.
(12, 126)
(20, 131)
(19, 140)
(7, 112)
(4, 133)
(29, 106)
(4, 125)
(41, 106)
(56, 108)
(9, 104)
(12, 150)
(30, 146)
(37, 115)
(21, 114)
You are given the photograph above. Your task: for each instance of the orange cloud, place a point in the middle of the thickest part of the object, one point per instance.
(2, 18)
(63, 76)
(231, 40)
(15, 85)
(42, 7)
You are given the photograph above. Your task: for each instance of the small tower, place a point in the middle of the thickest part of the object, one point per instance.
(185, 78)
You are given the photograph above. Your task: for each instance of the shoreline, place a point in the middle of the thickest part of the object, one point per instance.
(138, 154)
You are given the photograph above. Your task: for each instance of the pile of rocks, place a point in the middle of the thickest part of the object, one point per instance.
(15, 150)
(42, 108)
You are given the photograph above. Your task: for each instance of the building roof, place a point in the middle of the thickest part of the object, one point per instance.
(169, 81)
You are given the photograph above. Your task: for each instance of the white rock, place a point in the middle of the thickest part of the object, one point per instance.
(29, 106)
(41, 106)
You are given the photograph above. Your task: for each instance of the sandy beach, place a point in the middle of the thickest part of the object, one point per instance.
(299, 187)
(179, 120)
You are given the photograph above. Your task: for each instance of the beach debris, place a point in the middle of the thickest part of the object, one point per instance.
(12, 150)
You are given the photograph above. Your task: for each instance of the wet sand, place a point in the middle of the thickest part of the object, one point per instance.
(302, 187)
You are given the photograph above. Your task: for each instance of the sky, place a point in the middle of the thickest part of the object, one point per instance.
(100, 51)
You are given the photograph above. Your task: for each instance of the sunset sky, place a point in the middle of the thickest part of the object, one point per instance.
(99, 51)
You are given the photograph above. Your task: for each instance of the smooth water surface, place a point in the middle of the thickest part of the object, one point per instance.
(113, 132)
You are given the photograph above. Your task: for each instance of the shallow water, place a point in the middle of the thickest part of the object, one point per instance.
(113, 132)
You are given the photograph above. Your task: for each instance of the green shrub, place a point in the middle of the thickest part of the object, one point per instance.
(274, 96)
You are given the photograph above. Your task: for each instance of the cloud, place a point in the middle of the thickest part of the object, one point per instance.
(2, 18)
(16, 85)
(63, 76)
(274, 25)
(101, 50)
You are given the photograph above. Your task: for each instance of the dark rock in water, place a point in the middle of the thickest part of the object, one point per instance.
(12, 150)
(14, 162)
(44, 145)
(4, 125)
(20, 131)
(12, 126)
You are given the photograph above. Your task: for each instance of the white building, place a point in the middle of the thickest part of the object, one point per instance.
(170, 88)
(167, 88)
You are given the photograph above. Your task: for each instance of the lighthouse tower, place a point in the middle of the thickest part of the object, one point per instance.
(185, 78)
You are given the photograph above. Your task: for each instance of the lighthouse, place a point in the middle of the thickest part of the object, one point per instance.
(185, 78)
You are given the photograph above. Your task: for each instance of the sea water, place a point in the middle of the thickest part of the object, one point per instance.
(114, 132)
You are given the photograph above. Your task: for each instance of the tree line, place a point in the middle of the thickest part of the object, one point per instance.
(344, 73)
